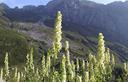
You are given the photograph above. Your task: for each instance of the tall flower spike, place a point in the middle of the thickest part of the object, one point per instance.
(83, 65)
(37, 76)
(43, 66)
(86, 77)
(63, 69)
(78, 78)
(67, 53)
(6, 65)
(48, 62)
(57, 34)
(1, 74)
(69, 69)
(15, 72)
(29, 69)
(18, 77)
(77, 65)
(107, 56)
(31, 59)
(101, 48)
(113, 60)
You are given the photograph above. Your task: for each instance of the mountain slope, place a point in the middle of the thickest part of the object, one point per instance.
(80, 46)
(110, 19)
(4, 21)
(15, 44)
(82, 21)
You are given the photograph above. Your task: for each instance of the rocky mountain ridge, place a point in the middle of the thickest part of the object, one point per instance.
(83, 18)
(111, 19)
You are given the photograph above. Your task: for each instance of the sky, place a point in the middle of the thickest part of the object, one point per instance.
(21, 3)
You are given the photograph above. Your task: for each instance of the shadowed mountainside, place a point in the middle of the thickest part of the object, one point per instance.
(82, 21)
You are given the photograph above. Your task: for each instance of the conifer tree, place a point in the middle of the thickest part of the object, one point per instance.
(57, 34)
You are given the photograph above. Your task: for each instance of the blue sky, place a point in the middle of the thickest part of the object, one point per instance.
(106, 1)
(20, 3)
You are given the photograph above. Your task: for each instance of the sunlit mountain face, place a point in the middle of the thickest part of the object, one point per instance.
(64, 41)
(112, 18)
(78, 16)
(22, 3)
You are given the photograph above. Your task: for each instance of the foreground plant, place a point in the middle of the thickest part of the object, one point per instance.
(57, 66)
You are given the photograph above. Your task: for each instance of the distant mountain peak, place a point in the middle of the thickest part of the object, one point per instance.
(71, 4)
(4, 5)
(119, 4)
(29, 7)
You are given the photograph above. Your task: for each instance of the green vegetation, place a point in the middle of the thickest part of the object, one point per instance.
(57, 66)
(4, 22)
(15, 44)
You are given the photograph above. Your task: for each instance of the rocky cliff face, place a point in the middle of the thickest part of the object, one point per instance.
(81, 17)
(111, 19)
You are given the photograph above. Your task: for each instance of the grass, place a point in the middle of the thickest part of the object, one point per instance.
(15, 44)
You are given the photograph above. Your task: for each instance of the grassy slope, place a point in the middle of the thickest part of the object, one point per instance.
(17, 45)
(80, 45)
(13, 43)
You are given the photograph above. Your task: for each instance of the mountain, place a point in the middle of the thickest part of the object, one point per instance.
(4, 21)
(10, 41)
(80, 46)
(82, 21)
(111, 19)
